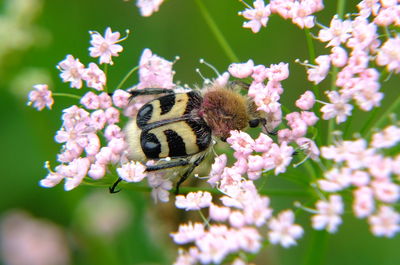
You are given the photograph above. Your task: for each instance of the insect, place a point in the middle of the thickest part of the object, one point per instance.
(177, 129)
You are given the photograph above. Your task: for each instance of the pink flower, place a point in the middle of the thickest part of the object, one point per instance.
(71, 71)
(93, 144)
(280, 156)
(262, 143)
(68, 155)
(306, 101)
(328, 214)
(112, 115)
(97, 171)
(386, 191)
(359, 178)
(338, 107)
(267, 101)
(74, 172)
(160, 185)
(363, 35)
(364, 203)
(335, 180)
(105, 47)
(241, 142)
(338, 56)
(255, 163)
(120, 98)
(34, 241)
(283, 230)
(40, 97)
(387, 138)
(219, 213)
(105, 100)
(259, 74)
(98, 119)
(367, 7)
(318, 73)
(309, 118)
(154, 71)
(117, 145)
(193, 200)
(132, 171)
(90, 101)
(236, 219)
(380, 167)
(367, 95)
(385, 222)
(241, 70)
(258, 16)
(256, 209)
(358, 61)
(301, 14)
(309, 147)
(94, 77)
(188, 233)
(214, 245)
(337, 33)
(387, 16)
(148, 7)
(216, 169)
(53, 178)
(113, 131)
(277, 72)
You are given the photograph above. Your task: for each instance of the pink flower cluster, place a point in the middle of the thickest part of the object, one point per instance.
(233, 226)
(265, 88)
(41, 97)
(356, 45)
(299, 11)
(148, 7)
(93, 142)
(372, 177)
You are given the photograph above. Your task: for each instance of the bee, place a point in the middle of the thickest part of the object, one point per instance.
(177, 130)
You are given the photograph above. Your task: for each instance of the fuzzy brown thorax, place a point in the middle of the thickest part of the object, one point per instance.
(224, 110)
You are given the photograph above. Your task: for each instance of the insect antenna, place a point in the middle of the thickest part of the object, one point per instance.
(112, 189)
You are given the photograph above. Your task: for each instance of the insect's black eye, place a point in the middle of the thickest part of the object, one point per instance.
(254, 123)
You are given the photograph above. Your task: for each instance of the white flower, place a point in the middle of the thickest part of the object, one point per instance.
(193, 200)
(328, 214)
(385, 222)
(132, 171)
(105, 47)
(283, 231)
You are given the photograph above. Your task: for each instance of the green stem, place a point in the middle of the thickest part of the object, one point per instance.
(316, 90)
(340, 8)
(217, 32)
(66, 95)
(134, 69)
(105, 72)
(310, 45)
(331, 125)
(316, 249)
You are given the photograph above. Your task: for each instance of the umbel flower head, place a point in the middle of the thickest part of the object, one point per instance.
(337, 173)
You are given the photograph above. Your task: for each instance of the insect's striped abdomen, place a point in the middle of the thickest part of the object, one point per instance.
(168, 127)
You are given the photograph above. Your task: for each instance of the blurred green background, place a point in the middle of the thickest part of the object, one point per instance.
(35, 35)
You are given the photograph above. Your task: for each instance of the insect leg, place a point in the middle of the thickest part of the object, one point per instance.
(188, 172)
(167, 165)
(112, 189)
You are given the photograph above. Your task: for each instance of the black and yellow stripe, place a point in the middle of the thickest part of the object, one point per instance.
(169, 130)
